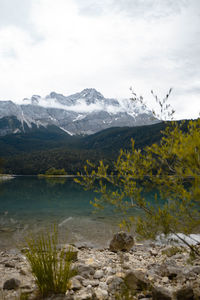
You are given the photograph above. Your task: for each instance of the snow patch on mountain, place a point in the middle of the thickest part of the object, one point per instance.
(82, 113)
(87, 101)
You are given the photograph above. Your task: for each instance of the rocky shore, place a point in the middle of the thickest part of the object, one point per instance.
(144, 272)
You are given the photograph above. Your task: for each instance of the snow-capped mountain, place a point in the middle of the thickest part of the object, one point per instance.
(82, 113)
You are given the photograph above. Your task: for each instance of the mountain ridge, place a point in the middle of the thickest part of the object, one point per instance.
(81, 113)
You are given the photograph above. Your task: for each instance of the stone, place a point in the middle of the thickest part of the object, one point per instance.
(135, 280)
(160, 293)
(101, 294)
(22, 272)
(165, 279)
(79, 278)
(90, 261)
(68, 296)
(9, 265)
(87, 282)
(185, 293)
(85, 295)
(120, 274)
(98, 274)
(25, 250)
(121, 241)
(11, 284)
(153, 252)
(103, 286)
(85, 270)
(173, 272)
(170, 271)
(110, 271)
(196, 270)
(197, 292)
(109, 279)
(75, 284)
(115, 283)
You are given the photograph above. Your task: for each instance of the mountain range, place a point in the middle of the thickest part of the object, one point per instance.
(64, 131)
(82, 113)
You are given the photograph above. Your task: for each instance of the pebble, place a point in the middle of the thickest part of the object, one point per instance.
(98, 274)
(101, 294)
(11, 284)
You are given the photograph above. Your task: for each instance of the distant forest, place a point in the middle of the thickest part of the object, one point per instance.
(36, 152)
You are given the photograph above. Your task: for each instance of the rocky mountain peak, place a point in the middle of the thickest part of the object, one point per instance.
(91, 95)
(35, 99)
(85, 112)
(54, 95)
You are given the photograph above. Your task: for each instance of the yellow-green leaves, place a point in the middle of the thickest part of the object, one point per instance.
(172, 167)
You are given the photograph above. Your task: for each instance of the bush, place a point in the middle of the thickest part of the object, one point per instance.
(53, 171)
(172, 251)
(51, 267)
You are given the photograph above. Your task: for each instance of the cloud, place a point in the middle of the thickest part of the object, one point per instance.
(110, 45)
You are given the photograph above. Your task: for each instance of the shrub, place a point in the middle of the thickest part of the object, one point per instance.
(172, 251)
(53, 171)
(51, 267)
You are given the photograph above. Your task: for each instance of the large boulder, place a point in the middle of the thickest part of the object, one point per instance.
(121, 241)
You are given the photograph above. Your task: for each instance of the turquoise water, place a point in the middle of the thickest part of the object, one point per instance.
(29, 204)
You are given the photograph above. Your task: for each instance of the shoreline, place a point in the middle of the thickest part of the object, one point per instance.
(165, 272)
(6, 177)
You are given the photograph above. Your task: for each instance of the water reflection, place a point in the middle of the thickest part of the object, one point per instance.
(51, 180)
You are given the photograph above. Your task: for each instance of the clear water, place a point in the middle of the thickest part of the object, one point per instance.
(29, 204)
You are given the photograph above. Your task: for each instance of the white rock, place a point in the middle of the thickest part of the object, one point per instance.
(110, 271)
(165, 279)
(101, 294)
(103, 286)
(75, 284)
(98, 274)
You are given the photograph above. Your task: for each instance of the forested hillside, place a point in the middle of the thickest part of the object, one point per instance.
(37, 151)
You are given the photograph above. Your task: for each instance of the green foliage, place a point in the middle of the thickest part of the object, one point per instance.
(54, 171)
(125, 293)
(1, 165)
(23, 296)
(172, 167)
(172, 251)
(192, 257)
(51, 267)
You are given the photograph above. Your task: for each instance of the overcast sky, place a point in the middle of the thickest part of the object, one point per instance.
(68, 45)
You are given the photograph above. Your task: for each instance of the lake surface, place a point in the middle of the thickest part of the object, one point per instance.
(29, 204)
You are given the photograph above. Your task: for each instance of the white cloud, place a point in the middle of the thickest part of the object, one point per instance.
(108, 45)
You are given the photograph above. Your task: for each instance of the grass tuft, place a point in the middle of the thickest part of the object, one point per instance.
(50, 267)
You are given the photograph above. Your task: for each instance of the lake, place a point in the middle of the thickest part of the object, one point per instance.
(29, 204)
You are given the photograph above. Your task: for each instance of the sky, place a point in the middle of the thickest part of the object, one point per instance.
(110, 45)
